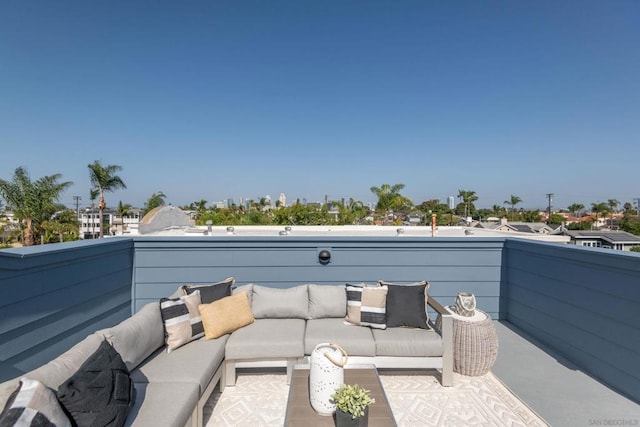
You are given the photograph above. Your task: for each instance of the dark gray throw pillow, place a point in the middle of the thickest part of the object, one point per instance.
(406, 306)
(101, 392)
(213, 292)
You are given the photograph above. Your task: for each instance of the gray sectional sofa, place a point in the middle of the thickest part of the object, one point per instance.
(291, 322)
(172, 387)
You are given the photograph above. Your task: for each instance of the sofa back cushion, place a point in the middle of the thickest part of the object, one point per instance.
(248, 288)
(327, 301)
(59, 369)
(138, 336)
(272, 303)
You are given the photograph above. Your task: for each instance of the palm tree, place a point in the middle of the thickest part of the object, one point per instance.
(613, 204)
(63, 226)
(200, 207)
(123, 210)
(599, 208)
(104, 179)
(32, 201)
(467, 197)
(576, 209)
(156, 200)
(513, 201)
(389, 198)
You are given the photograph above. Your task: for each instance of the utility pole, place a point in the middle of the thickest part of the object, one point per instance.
(77, 200)
(637, 202)
(549, 196)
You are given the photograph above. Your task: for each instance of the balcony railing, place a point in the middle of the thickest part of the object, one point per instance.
(582, 302)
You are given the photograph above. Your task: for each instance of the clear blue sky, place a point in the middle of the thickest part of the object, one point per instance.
(217, 99)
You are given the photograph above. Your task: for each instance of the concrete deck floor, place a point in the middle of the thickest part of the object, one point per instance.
(555, 388)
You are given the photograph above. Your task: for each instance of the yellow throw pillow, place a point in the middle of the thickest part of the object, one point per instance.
(226, 315)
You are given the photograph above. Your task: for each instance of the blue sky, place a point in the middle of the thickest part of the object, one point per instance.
(218, 99)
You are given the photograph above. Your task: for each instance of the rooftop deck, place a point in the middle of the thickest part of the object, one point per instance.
(568, 325)
(554, 387)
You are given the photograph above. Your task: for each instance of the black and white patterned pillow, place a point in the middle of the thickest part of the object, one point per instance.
(366, 305)
(181, 318)
(33, 404)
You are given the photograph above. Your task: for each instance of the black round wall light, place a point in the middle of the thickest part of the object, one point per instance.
(324, 256)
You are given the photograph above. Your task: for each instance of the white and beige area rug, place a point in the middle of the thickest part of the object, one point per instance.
(416, 400)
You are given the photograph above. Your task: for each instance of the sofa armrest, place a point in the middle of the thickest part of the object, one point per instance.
(437, 307)
(446, 332)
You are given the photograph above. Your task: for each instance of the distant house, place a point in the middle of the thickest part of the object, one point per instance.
(522, 227)
(90, 222)
(123, 225)
(618, 240)
(414, 219)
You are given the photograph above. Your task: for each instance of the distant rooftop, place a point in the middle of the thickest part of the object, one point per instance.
(611, 236)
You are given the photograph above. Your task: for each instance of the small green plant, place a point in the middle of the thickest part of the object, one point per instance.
(352, 399)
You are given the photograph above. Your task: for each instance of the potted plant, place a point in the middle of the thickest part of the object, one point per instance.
(352, 405)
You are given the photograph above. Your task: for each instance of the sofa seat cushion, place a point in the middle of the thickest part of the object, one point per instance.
(165, 404)
(356, 341)
(195, 363)
(267, 338)
(407, 342)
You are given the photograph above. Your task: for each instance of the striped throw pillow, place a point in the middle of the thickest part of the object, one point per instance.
(181, 318)
(366, 305)
(33, 404)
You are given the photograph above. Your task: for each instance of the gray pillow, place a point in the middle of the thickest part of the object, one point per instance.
(137, 336)
(273, 303)
(327, 301)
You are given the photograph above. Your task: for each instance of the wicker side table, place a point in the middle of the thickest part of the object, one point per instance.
(475, 344)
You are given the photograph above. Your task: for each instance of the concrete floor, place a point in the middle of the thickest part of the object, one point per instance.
(555, 388)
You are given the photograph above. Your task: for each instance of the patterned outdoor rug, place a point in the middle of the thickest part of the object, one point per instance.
(416, 400)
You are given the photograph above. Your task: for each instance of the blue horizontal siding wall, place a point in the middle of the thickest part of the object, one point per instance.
(53, 296)
(450, 265)
(583, 302)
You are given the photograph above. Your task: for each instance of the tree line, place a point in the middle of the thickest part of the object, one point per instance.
(42, 219)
